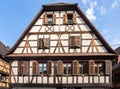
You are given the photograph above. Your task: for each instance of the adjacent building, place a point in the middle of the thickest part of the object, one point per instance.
(116, 70)
(4, 67)
(61, 49)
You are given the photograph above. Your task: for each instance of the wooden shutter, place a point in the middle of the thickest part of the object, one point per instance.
(54, 19)
(49, 67)
(74, 18)
(65, 19)
(25, 67)
(91, 67)
(108, 67)
(45, 19)
(20, 68)
(46, 42)
(72, 41)
(60, 67)
(75, 67)
(40, 43)
(78, 41)
(35, 68)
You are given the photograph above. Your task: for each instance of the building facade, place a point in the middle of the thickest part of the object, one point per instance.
(61, 49)
(4, 67)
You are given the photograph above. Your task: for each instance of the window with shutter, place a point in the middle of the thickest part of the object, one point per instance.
(67, 68)
(99, 68)
(69, 18)
(43, 43)
(20, 69)
(49, 19)
(35, 68)
(23, 67)
(60, 67)
(75, 67)
(75, 42)
(108, 67)
(49, 67)
(91, 67)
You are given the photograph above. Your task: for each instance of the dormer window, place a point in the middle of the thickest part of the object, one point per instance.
(49, 19)
(43, 43)
(69, 18)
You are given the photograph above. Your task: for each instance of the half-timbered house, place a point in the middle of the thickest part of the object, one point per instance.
(4, 67)
(61, 49)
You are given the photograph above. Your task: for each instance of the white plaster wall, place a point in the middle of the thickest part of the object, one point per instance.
(14, 63)
(85, 79)
(22, 44)
(18, 50)
(79, 79)
(35, 29)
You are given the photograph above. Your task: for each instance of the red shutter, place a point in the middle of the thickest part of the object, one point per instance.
(60, 67)
(45, 20)
(91, 67)
(46, 42)
(25, 67)
(54, 19)
(35, 68)
(72, 41)
(108, 67)
(74, 18)
(20, 68)
(75, 67)
(49, 67)
(78, 41)
(40, 43)
(65, 19)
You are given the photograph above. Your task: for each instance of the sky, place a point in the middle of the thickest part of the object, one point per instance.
(16, 15)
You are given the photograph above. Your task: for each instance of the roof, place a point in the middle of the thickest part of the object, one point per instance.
(117, 66)
(3, 49)
(64, 6)
(117, 50)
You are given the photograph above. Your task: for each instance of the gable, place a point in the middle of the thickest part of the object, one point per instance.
(59, 34)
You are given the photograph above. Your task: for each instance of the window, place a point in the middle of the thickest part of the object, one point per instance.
(84, 68)
(67, 68)
(49, 19)
(99, 68)
(75, 42)
(2, 78)
(43, 68)
(69, 18)
(43, 43)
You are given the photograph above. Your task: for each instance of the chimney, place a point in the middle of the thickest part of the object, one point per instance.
(119, 59)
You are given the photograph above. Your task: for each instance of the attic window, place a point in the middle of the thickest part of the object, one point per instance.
(69, 18)
(75, 42)
(49, 19)
(43, 43)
